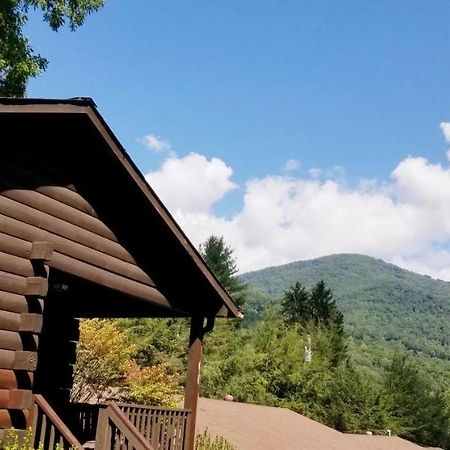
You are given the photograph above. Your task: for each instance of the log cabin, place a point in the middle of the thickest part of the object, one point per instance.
(83, 235)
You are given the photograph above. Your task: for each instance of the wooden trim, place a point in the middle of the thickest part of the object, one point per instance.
(164, 213)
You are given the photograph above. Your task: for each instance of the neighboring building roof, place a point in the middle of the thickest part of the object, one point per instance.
(72, 136)
(254, 427)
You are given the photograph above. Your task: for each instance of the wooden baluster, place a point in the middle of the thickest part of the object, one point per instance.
(51, 440)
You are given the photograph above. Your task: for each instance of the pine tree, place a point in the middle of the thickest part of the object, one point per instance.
(296, 305)
(219, 257)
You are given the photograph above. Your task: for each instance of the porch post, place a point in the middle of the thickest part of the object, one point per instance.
(192, 387)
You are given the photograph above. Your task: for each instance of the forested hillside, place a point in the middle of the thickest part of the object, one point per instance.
(385, 307)
(294, 350)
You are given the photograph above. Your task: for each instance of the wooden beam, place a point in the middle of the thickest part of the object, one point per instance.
(36, 286)
(12, 284)
(13, 418)
(23, 234)
(20, 303)
(15, 398)
(63, 194)
(18, 360)
(16, 265)
(55, 226)
(58, 209)
(41, 251)
(12, 321)
(15, 340)
(108, 279)
(16, 379)
(192, 387)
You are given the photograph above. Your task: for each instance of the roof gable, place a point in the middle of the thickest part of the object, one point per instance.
(69, 145)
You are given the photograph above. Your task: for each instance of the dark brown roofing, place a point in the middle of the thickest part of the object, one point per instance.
(254, 427)
(81, 139)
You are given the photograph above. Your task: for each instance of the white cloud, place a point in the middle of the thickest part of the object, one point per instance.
(314, 172)
(405, 220)
(291, 165)
(445, 127)
(192, 184)
(155, 143)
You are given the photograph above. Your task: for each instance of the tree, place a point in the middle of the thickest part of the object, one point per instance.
(299, 306)
(219, 257)
(106, 368)
(324, 307)
(296, 305)
(103, 355)
(316, 309)
(18, 60)
(416, 410)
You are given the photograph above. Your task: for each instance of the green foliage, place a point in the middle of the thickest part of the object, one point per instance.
(416, 409)
(317, 307)
(219, 257)
(355, 382)
(158, 341)
(106, 367)
(18, 61)
(387, 309)
(151, 386)
(266, 365)
(205, 441)
(14, 441)
(103, 356)
(296, 305)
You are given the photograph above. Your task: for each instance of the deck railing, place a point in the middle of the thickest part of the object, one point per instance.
(48, 429)
(165, 429)
(116, 432)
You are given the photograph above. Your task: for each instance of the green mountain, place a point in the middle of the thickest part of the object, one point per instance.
(386, 308)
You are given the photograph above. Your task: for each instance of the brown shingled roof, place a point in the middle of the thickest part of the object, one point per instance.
(254, 427)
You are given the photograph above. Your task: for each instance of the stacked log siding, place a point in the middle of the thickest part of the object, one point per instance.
(22, 288)
(83, 246)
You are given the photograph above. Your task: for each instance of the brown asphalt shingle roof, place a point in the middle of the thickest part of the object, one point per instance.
(254, 427)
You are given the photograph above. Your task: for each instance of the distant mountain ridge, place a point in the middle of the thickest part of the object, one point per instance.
(380, 301)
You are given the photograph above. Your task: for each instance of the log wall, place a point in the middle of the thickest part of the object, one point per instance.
(47, 227)
(23, 286)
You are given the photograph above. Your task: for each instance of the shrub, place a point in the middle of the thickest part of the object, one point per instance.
(205, 441)
(151, 386)
(103, 356)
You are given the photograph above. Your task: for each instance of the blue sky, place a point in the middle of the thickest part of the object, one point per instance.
(353, 88)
